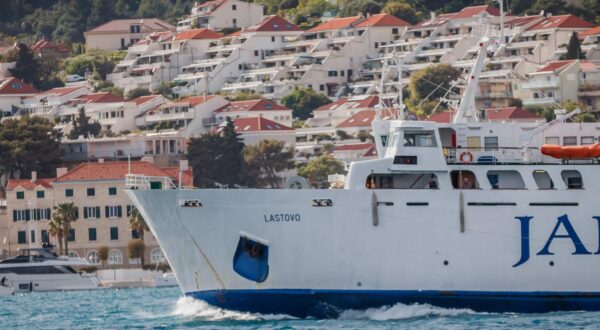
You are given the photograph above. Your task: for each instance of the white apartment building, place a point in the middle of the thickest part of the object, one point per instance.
(233, 56)
(590, 43)
(160, 57)
(222, 14)
(123, 33)
(255, 108)
(252, 130)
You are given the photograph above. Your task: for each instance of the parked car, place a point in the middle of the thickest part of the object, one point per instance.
(75, 78)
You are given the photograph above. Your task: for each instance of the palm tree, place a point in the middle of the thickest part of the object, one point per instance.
(137, 223)
(64, 214)
(55, 229)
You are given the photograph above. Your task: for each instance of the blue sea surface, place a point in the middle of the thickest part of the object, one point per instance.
(166, 308)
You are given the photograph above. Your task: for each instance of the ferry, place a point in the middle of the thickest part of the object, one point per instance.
(508, 225)
(40, 269)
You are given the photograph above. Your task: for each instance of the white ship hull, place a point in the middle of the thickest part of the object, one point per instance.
(321, 259)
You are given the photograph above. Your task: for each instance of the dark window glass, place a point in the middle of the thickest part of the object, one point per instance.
(91, 192)
(22, 237)
(92, 234)
(71, 236)
(20, 195)
(114, 233)
(40, 194)
(69, 192)
(112, 191)
(33, 236)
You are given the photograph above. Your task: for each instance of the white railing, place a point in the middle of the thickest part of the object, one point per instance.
(144, 182)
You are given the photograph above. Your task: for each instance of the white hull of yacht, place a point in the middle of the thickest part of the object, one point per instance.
(51, 282)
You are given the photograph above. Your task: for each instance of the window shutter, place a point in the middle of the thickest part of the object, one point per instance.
(85, 212)
(14, 215)
(76, 212)
(119, 211)
(27, 215)
(106, 210)
(98, 211)
(48, 213)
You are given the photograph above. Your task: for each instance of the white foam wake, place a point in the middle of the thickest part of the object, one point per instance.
(194, 308)
(401, 311)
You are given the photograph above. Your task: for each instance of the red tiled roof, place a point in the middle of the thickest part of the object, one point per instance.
(27, 184)
(198, 34)
(469, 12)
(367, 102)
(555, 66)
(102, 97)
(363, 119)
(195, 100)
(336, 24)
(62, 91)
(590, 32)
(110, 171)
(258, 124)
(588, 66)
(144, 99)
(509, 113)
(354, 147)
(252, 105)
(520, 21)
(383, 20)
(234, 34)
(124, 25)
(438, 20)
(273, 24)
(16, 86)
(562, 21)
(215, 3)
(45, 44)
(371, 152)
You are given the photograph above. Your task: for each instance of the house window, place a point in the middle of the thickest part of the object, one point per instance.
(33, 236)
(91, 192)
(256, 53)
(394, 30)
(112, 191)
(113, 211)
(156, 255)
(234, 22)
(135, 28)
(20, 195)
(233, 7)
(115, 257)
(40, 194)
(92, 234)
(91, 212)
(68, 192)
(22, 237)
(40, 214)
(321, 87)
(272, 39)
(490, 143)
(332, 73)
(114, 233)
(376, 45)
(93, 257)
(21, 215)
(570, 141)
(135, 234)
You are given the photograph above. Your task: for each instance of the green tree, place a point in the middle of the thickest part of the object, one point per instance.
(62, 216)
(355, 7)
(303, 101)
(29, 144)
(402, 10)
(83, 126)
(266, 160)
(137, 92)
(218, 158)
(317, 170)
(103, 254)
(429, 84)
(136, 249)
(137, 223)
(574, 48)
(27, 68)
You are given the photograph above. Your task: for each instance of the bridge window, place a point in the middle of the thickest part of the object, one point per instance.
(543, 179)
(570, 141)
(553, 140)
(587, 140)
(572, 179)
(419, 139)
(403, 181)
(505, 180)
(464, 180)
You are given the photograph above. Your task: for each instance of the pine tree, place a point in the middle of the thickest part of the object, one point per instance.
(574, 48)
(27, 67)
(233, 157)
(82, 126)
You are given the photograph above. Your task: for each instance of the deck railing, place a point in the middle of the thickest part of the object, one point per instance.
(144, 182)
(492, 155)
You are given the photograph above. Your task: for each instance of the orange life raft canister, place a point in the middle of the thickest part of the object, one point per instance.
(571, 152)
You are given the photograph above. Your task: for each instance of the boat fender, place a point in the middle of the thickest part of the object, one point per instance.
(466, 157)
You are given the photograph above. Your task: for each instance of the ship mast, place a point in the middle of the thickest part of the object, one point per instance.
(466, 112)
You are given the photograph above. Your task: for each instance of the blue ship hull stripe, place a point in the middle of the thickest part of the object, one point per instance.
(329, 303)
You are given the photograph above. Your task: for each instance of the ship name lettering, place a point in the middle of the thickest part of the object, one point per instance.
(282, 217)
(563, 225)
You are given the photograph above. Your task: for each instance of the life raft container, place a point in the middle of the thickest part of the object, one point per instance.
(571, 152)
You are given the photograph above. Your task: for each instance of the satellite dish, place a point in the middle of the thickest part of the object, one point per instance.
(296, 182)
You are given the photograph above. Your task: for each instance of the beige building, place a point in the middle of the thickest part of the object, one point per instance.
(123, 33)
(97, 190)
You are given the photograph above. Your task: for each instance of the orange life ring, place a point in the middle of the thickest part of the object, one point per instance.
(466, 157)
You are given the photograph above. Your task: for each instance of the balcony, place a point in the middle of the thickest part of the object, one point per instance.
(542, 83)
(540, 101)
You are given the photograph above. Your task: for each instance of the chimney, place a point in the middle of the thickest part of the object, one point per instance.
(60, 171)
(432, 15)
(33, 176)
(148, 159)
(100, 160)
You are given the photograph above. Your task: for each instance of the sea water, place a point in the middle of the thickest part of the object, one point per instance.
(166, 308)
